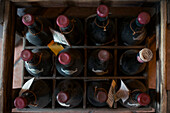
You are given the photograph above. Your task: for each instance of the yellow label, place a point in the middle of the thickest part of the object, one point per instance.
(55, 47)
(111, 94)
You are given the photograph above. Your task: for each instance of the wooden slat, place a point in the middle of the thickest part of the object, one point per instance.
(162, 54)
(7, 59)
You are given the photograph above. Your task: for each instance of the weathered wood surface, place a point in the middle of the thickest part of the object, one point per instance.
(162, 54)
(7, 59)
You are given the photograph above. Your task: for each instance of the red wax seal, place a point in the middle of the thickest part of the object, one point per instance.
(103, 55)
(102, 11)
(62, 21)
(28, 19)
(26, 55)
(64, 58)
(62, 97)
(144, 18)
(102, 96)
(143, 99)
(20, 102)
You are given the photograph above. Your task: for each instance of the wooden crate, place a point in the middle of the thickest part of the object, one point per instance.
(118, 9)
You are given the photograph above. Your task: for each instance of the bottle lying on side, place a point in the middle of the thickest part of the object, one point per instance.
(133, 62)
(38, 32)
(69, 93)
(138, 96)
(72, 28)
(133, 32)
(100, 29)
(69, 62)
(38, 96)
(38, 62)
(100, 62)
(97, 93)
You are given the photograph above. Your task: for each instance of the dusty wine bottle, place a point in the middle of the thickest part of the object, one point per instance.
(69, 62)
(72, 28)
(137, 97)
(133, 32)
(38, 96)
(100, 29)
(133, 62)
(100, 62)
(69, 93)
(97, 93)
(38, 33)
(37, 62)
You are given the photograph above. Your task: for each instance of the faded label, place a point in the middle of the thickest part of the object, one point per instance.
(34, 71)
(59, 38)
(26, 86)
(63, 104)
(99, 72)
(141, 36)
(69, 72)
(111, 94)
(122, 93)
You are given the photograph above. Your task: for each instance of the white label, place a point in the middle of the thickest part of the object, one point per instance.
(26, 86)
(141, 36)
(34, 71)
(63, 104)
(133, 104)
(69, 72)
(59, 38)
(122, 93)
(99, 72)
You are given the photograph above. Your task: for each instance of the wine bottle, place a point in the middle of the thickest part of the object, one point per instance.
(69, 62)
(69, 93)
(133, 62)
(100, 62)
(138, 96)
(72, 28)
(97, 93)
(38, 96)
(133, 32)
(37, 62)
(100, 29)
(38, 32)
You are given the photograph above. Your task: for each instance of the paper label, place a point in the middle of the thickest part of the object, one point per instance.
(69, 72)
(122, 93)
(34, 71)
(63, 104)
(111, 94)
(141, 36)
(59, 38)
(99, 72)
(56, 48)
(26, 86)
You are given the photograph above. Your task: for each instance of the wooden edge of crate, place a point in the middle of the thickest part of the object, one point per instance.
(7, 58)
(162, 54)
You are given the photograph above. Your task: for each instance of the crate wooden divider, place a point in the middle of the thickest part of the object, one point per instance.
(118, 9)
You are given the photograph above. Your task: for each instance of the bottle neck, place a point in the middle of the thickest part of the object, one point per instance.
(135, 95)
(101, 21)
(29, 97)
(139, 59)
(68, 28)
(35, 27)
(35, 60)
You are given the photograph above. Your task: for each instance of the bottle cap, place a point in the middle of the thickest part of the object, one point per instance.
(144, 18)
(143, 99)
(102, 11)
(20, 102)
(26, 55)
(62, 97)
(64, 58)
(101, 96)
(62, 21)
(103, 55)
(145, 55)
(28, 19)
